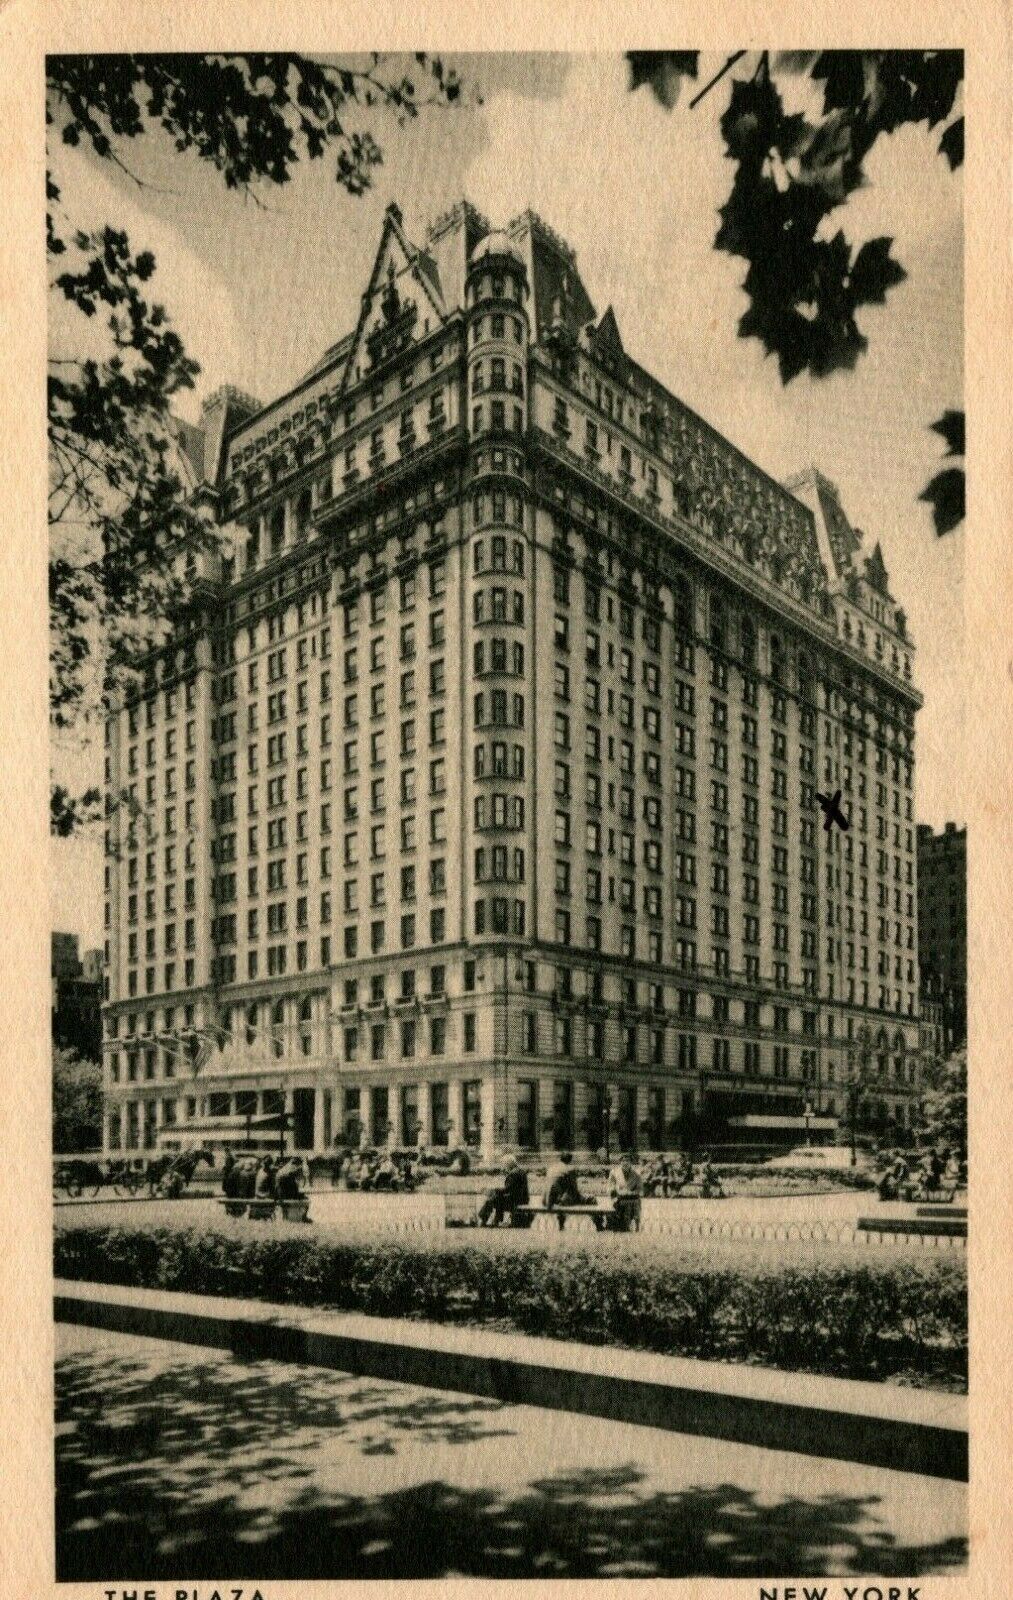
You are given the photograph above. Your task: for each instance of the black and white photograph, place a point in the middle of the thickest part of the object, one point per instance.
(507, 883)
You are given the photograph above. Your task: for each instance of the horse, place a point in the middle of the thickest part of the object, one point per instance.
(176, 1171)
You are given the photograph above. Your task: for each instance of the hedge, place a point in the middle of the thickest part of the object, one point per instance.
(839, 1315)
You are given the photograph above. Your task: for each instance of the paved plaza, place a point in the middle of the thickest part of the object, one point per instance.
(185, 1461)
(336, 1211)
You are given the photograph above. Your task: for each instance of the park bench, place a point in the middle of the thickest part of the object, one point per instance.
(264, 1209)
(917, 1191)
(618, 1215)
(942, 1227)
(695, 1191)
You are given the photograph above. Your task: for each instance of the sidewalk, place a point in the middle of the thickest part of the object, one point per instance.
(910, 1430)
(173, 1459)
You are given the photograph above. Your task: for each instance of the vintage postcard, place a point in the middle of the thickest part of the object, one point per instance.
(525, 890)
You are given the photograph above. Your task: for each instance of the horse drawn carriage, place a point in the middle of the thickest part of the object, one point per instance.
(166, 1175)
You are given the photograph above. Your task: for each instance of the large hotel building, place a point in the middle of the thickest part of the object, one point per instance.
(476, 797)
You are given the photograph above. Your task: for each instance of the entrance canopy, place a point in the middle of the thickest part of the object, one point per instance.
(814, 1123)
(218, 1131)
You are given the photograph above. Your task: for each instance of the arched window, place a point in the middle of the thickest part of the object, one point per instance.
(277, 1025)
(306, 1025)
(251, 1024)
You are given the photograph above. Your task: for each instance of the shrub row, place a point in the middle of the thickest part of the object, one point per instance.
(838, 1315)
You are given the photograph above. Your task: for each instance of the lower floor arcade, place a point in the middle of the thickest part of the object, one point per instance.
(487, 1111)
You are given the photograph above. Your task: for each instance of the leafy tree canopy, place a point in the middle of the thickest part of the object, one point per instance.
(77, 1103)
(806, 283)
(944, 1101)
(124, 531)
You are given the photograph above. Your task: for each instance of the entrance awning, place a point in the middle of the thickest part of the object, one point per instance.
(757, 1120)
(221, 1129)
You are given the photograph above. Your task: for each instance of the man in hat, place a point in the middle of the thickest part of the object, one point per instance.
(561, 1186)
(625, 1187)
(503, 1200)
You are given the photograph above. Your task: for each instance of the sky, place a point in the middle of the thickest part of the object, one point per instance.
(258, 290)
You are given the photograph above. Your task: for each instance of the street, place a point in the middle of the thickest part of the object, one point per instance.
(175, 1461)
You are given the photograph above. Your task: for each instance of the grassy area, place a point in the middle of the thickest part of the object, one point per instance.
(826, 1309)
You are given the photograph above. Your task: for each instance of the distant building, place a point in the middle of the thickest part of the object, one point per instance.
(481, 782)
(76, 1005)
(91, 966)
(931, 1010)
(942, 924)
(65, 960)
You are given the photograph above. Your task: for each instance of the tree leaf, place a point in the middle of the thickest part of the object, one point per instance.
(951, 145)
(945, 494)
(951, 427)
(874, 272)
(663, 72)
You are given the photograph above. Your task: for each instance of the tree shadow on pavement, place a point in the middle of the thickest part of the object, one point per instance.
(211, 1468)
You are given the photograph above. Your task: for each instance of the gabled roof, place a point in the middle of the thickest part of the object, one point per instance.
(190, 445)
(845, 541)
(876, 574)
(607, 335)
(402, 275)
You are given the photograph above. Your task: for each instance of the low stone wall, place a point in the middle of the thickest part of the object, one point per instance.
(390, 1213)
(876, 1424)
(664, 1217)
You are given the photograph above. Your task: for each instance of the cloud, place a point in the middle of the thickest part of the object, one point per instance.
(199, 301)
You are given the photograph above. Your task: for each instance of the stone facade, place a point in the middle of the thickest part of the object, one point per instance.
(482, 789)
(942, 925)
(76, 997)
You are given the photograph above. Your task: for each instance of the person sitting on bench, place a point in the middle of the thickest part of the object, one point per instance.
(710, 1183)
(506, 1197)
(624, 1179)
(561, 1187)
(936, 1170)
(656, 1178)
(681, 1176)
(887, 1185)
(626, 1187)
(291, 1179)
(385, 1175)
(264, 1186)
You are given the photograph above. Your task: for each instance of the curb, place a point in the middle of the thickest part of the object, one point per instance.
(672, 1393)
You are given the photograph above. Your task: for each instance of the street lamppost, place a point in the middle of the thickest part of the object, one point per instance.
(702, 1120)
(859, 1058)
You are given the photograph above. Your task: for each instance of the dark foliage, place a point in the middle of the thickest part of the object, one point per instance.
(945, 492)
(124, 534)
(77, 1103)
(837, 1315)
(806, 286)
(663, 70)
